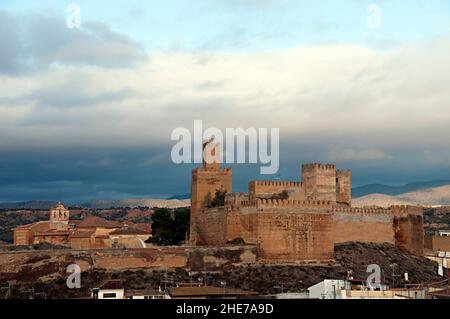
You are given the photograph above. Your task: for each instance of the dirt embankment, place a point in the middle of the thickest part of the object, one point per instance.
(43, 273)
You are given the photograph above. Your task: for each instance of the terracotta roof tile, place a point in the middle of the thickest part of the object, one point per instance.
(94, 221)
(208, 291)
(130, 231)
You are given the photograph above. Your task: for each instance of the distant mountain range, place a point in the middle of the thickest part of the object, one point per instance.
(99, 204)
(143, 202)
(28, 205)
(182, 196)
(395, 190)
(432, 196)
(375, 189)
(428, 193)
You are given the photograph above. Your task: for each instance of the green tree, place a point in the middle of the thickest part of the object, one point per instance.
(182, 219)
(169, 227)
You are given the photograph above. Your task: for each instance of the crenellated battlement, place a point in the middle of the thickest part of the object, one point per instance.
(198, 170)
(289, 184)
(260, 203)
(296, 220)
(264, 203)
(404, 210)
(248, 203)
(343, 173)
(365, 211)
(323, 167)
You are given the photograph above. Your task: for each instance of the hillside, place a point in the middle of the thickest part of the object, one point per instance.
(434, 196)
(173, 202)
(46, 273)
(139, 202)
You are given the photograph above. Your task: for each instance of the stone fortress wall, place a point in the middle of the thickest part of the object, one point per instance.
(297, 221)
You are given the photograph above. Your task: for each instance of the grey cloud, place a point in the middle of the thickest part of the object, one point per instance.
(35, 42)
(75, 90)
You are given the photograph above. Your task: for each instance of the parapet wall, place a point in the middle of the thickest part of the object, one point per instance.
(206, 180)
(278, 184)
(294, 237)
(283, 230)
(306, 204)
(270, 188)
(437, 243)
(46, 262)
(399, 225)
(319, 166)
(408, 227)
(262, 203)
(363, 225)
(211, 227)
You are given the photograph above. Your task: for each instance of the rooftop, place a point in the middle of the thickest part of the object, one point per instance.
(130, 231)
(82, 234)
(208, 291)
(94, 222)
(146, 292)
(112, 285)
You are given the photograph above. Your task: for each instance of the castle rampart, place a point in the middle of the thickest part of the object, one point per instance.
(261, 189)
(206, 180)
(293, 221)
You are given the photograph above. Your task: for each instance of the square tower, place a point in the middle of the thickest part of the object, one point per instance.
(319, 181)
(344, 187)
(206, 180)
(59, 217)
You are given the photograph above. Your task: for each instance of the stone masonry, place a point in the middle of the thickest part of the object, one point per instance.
(296, 221)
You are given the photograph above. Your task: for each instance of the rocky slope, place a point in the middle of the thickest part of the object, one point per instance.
(46, 276)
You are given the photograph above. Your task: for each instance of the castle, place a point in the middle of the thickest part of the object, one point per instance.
(294, 221)
(93, 232)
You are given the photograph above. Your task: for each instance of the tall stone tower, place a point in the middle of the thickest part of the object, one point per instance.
(319, 181)
(59, 217)
(207, 180)
(344, 187)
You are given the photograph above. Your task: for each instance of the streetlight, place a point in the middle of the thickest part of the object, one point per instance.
(393, 266)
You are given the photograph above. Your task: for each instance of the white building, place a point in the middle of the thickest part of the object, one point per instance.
(328, 289)
(349, 289)
(113, 289)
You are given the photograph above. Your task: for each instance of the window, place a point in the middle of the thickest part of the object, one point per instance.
(109, 295)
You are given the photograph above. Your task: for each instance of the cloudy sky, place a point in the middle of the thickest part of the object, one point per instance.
(88, 112)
